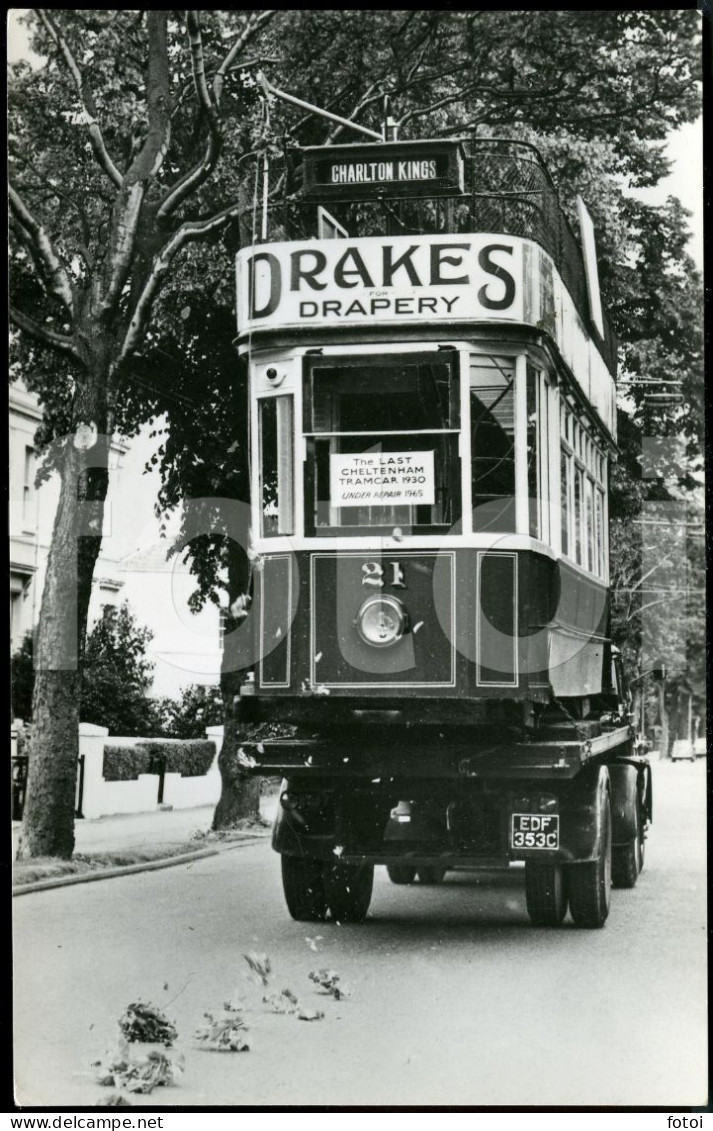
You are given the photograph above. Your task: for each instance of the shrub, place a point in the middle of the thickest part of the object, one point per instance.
(190, 759)
(199, 707)
(124, 763)
(23, 675)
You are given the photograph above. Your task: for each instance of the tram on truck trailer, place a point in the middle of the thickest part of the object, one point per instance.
(432, 390)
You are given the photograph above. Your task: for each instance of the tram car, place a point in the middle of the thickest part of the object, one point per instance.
(432, 391)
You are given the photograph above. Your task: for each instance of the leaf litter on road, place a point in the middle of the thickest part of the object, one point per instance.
(225, 1032)
(310, 1015)
(146, 1023)
(114, 1099)
(260, 967)
(138, 1071)
(329, 982)
(283, 1002)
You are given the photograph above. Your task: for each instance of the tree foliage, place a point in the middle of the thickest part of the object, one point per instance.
(188, 716)
(22, 678)
(136, 149)
(117, 676)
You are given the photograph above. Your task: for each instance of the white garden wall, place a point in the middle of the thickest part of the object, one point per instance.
(102, 798)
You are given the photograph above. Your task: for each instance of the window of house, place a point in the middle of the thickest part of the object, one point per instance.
(382, 441)
(28, 488)
(492, 442)
(276, 440)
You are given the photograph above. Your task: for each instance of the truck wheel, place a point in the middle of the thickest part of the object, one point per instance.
(545, 893)
(624, 870)
(590, 884)
(348, 890)
(401, 873)
(431, 874)
(303, 885)
(627, 859)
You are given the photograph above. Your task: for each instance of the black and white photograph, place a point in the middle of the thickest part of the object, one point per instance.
(357, 540)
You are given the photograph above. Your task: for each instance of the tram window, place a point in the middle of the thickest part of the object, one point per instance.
(565, 489)
(276, 465)
(601, 564)
(398, 416)
(591, 562)
(578, 516)
(492, 432)
(532, 452)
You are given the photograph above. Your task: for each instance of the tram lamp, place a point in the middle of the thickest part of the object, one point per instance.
(274, 376)
(381, 621)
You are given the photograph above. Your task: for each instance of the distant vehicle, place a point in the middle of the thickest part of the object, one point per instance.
(700, 748)
(683, 750)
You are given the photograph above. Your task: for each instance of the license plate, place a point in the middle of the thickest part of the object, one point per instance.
(535, 830)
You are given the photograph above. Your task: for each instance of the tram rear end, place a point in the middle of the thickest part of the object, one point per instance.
(433, 416)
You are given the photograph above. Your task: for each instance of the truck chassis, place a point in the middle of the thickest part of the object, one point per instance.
(574, 809)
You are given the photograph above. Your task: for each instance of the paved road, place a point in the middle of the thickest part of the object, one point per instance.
(456, 999)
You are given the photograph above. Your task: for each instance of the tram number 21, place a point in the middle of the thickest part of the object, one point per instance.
(373, 573)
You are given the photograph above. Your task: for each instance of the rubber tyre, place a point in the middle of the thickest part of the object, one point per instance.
(348, 889)
(303, 885)
(431, 874)
(590, 884)
(401, 873)
(545, 893)
(624, 865)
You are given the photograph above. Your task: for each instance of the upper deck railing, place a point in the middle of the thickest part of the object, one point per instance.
(507, 189)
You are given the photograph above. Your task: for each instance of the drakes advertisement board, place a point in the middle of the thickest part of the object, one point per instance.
(379, 279)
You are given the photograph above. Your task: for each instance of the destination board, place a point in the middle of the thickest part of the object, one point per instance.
(358, 172)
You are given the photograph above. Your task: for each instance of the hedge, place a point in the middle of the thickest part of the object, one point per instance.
(191, 758)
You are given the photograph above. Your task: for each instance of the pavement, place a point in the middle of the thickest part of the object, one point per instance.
(124, 831)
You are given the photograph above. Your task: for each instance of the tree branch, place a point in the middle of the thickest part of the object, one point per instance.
(253, 26)
(127, 208)
(44, 180)
(96, 136)
(42, 333)
(365, 101)
(200, 172)
(43, 251)
(150, 156)
(187, 233)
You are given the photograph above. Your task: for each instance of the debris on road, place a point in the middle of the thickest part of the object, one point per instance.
(330, 983)
(225, 1032)
(310, 1015)
(140, 1074)
(146, 1023)
(114, 1099)
(284, 1002)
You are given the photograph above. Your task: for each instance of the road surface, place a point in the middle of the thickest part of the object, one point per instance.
(456, 999)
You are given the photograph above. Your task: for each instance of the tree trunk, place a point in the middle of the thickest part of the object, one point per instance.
(240, 793)
(663, 716)
(48, 818)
